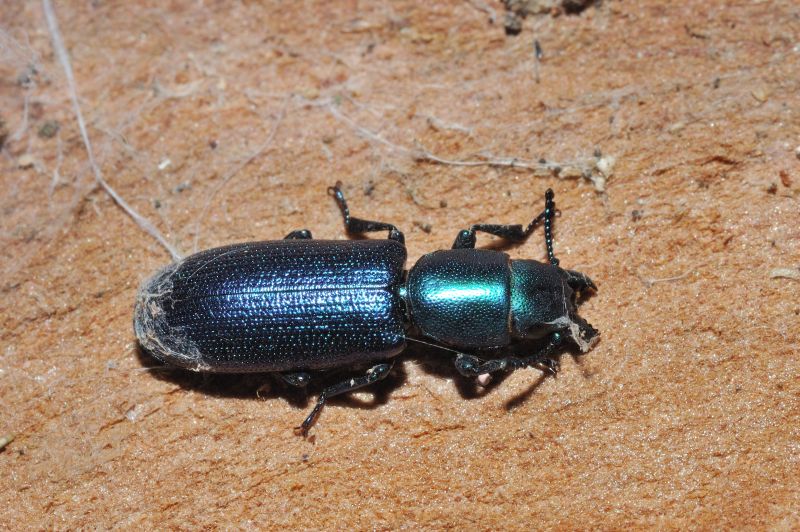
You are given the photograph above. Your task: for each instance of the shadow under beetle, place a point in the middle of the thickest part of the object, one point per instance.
(299, 305)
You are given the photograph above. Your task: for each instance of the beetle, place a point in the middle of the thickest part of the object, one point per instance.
(300, 306)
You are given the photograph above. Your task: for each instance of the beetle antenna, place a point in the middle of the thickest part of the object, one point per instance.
(549, 213)
(433, 345)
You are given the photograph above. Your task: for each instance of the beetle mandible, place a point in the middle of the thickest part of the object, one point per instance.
(298, 306)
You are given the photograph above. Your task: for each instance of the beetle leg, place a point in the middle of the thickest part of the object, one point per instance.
(512, 232)
(358, 225)
(301, 234)
(373, 375)
(298, 379)
(472, 366)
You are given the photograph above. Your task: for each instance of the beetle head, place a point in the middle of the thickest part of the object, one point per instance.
(544, 302)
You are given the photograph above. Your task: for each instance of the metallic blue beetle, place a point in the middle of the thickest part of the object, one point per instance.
(298, 305)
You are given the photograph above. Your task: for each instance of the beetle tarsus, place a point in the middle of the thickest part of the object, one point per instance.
(309, 421)
(373, 375)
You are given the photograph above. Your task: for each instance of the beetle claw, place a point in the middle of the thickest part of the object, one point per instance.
(549, 366)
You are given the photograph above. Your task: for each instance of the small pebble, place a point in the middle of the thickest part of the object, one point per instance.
(49, 129)
(483, 380)
(759, 94)
(26, 161)
(606, 165)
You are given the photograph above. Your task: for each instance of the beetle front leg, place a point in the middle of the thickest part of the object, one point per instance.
(512, 232)
(358, 225)
(373, 375)
(472, 366)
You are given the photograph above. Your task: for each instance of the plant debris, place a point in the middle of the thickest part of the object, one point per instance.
(3, 133)
(785, 273)
(517, 10)
(49, 129)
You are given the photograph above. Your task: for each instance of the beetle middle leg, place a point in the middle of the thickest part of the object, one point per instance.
(300, 234)
(299, 379)
(358, 225)
(373, 375)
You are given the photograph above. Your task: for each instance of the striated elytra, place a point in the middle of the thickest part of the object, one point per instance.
(298, 306)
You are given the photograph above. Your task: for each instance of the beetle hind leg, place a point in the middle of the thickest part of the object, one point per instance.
(373, 375)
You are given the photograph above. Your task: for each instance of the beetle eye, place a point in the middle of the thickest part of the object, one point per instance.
(556, 338)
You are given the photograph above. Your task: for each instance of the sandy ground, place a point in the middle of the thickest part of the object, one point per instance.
(223, 122)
